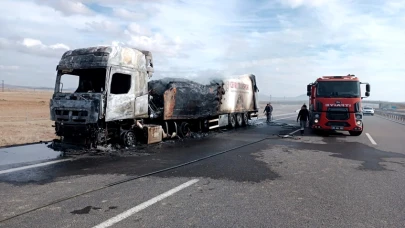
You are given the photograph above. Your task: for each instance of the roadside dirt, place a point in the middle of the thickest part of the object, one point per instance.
(24, 117)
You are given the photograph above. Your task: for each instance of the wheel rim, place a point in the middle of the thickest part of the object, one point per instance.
(233, 121)
(239, 119)
(129, 138)
(185, 130)
(245, 118)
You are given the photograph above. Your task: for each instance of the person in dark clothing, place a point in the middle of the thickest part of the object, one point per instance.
(303, 116)
(268, 110)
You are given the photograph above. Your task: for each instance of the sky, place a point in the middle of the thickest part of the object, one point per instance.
(285, 43)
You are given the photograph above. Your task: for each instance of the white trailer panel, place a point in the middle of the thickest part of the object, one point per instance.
(240, 95)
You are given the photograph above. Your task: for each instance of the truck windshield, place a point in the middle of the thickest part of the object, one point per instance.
(338, 89)
(82, 81)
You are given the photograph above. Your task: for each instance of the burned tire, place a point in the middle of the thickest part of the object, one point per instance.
(245, 119)
(128, 138)
(232, 121)
(239, 119)
(184, 130)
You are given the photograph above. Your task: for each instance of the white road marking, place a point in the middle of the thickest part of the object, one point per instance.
(144, 205)
(32, 166)
(285, 136)
(371, 139)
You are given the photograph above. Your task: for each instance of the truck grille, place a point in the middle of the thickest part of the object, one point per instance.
(338, 114)
(340, 124)
(71, 116)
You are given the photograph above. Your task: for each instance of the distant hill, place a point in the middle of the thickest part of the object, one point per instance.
(26, 87)
(16, 87)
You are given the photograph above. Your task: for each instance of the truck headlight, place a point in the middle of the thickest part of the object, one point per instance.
(316, 121)
(358, 116)
(316, 116)
(358, 122)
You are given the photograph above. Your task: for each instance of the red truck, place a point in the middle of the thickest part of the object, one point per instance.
(335, 104)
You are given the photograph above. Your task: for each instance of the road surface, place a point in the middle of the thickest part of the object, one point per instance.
(241, 178)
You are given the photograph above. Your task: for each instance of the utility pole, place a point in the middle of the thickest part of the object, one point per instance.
(2, 85)
(270, 97)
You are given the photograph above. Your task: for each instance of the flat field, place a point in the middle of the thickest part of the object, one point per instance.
(24, 117)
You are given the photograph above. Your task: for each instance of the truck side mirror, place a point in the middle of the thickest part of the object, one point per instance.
(308, 89)
(368, 88)
(367, 94)
(308, 93)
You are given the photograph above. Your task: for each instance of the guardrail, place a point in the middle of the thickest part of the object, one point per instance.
(391, 115)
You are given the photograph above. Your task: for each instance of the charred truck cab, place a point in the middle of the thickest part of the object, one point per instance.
(112, 93)
(335, 104)
(115, 101)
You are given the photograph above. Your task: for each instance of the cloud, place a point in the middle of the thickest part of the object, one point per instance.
(138, 29)
(106, 27)
(286, 43)
(2, 67)
(299, 3)
(129, 15)
(68, 7)
(35, 47)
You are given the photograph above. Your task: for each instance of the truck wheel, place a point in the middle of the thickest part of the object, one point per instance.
(232, 121)
(128, 138)
(239, 119)
(184, 130)
(355, 133)
(245, 119)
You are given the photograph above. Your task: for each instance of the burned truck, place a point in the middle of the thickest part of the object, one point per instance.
(115, 101)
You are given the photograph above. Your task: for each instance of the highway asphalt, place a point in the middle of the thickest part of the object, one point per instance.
(311, 181)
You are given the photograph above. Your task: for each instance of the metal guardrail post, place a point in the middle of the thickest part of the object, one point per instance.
(394, 116)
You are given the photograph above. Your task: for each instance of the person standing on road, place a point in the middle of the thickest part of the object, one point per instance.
(268, 110)
(303, 115)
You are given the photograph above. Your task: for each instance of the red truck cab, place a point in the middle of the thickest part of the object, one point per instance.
(335, 104)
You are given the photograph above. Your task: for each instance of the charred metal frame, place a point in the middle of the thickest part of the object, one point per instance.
(89, 113)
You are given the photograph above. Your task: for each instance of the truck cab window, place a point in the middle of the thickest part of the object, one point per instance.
(120, 83)
(68, 83)
(83, 81)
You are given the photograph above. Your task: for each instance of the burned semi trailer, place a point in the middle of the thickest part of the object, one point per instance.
(183, 106)
(114, 102)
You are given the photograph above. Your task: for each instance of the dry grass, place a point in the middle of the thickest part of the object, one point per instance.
(24, 117)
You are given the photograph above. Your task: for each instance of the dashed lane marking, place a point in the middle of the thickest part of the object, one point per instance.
(144, 205)
(371, 139)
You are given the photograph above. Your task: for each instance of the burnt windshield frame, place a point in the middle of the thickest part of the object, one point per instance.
(342, 89)
(91, 80)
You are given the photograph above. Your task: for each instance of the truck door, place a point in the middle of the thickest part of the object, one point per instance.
(120, 95)
(142, 96)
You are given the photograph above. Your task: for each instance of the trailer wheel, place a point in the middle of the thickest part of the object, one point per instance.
(245, 119)
(128, 138)
(232, 121)
(239, 119)
(184, 130)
